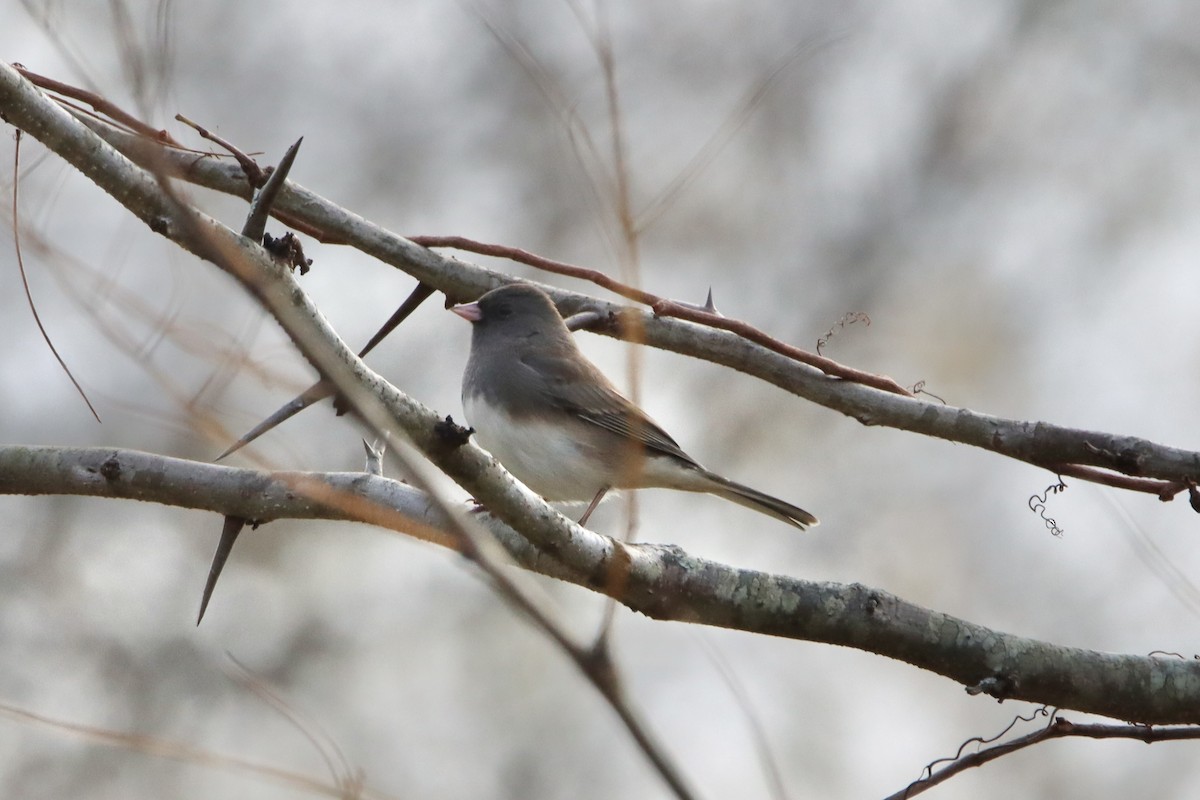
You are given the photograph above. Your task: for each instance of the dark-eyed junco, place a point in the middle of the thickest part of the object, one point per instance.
(557, 424)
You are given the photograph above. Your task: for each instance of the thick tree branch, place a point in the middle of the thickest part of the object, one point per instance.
(663, 582)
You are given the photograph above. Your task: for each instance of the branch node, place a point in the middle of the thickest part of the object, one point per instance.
(1000, 687)
(450, 434)
(110, 470)
(1129, 460)
(874, 605)
(597, 665)
(288, 251)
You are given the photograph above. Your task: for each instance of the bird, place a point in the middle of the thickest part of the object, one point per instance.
(558, 425)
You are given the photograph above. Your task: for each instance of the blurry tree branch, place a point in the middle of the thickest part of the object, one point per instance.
(662, 582)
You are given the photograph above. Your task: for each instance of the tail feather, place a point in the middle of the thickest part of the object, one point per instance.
(763, 503)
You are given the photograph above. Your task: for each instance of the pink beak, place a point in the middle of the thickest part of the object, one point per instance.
(468, 311)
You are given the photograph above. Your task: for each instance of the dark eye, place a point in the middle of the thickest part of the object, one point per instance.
(500, 312)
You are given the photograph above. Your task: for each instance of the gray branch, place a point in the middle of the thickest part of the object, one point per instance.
(663, 582)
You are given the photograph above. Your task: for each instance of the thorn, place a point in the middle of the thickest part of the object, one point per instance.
(260, 209)
(419, 295)
(708, 307)
(318, 391)
(375, 452)
(229, 534)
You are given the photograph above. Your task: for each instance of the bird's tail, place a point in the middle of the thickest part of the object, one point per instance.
(763, 503)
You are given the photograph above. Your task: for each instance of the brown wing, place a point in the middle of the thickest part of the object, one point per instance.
(583, 390)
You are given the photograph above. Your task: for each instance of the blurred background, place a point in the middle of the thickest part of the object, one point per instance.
(1011, 191)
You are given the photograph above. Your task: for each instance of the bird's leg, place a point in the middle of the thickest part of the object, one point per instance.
(592, 505)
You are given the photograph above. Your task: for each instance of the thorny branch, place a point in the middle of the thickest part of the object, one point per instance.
(381, 406)
(662, 582)
(1130, 458)
(1123, 462)
(665, 582)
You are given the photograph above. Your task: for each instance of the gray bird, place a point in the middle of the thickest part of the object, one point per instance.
(559, 426)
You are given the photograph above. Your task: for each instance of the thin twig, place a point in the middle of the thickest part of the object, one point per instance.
(16, 229)
(1058, 729)
(183, 752)
(102, 105)
(254, 173)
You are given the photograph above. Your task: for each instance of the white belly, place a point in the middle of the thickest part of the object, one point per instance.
(538, 455)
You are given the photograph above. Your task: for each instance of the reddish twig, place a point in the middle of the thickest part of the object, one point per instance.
(111, 113)
(254, 173)
(668, 308)
(100, 105)
(1163, 490)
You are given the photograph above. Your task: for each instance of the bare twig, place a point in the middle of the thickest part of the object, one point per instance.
(37, 318)
(1059, 728)
(102, 105)
(253, 172)
(182, 752)
(348, 779)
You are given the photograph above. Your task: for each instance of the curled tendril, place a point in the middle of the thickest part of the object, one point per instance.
(927, 773)
(849, 318)
(1170, 654)
(919, 388)
(1037, 504)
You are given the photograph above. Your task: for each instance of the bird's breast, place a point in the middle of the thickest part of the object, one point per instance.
(546, 457)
